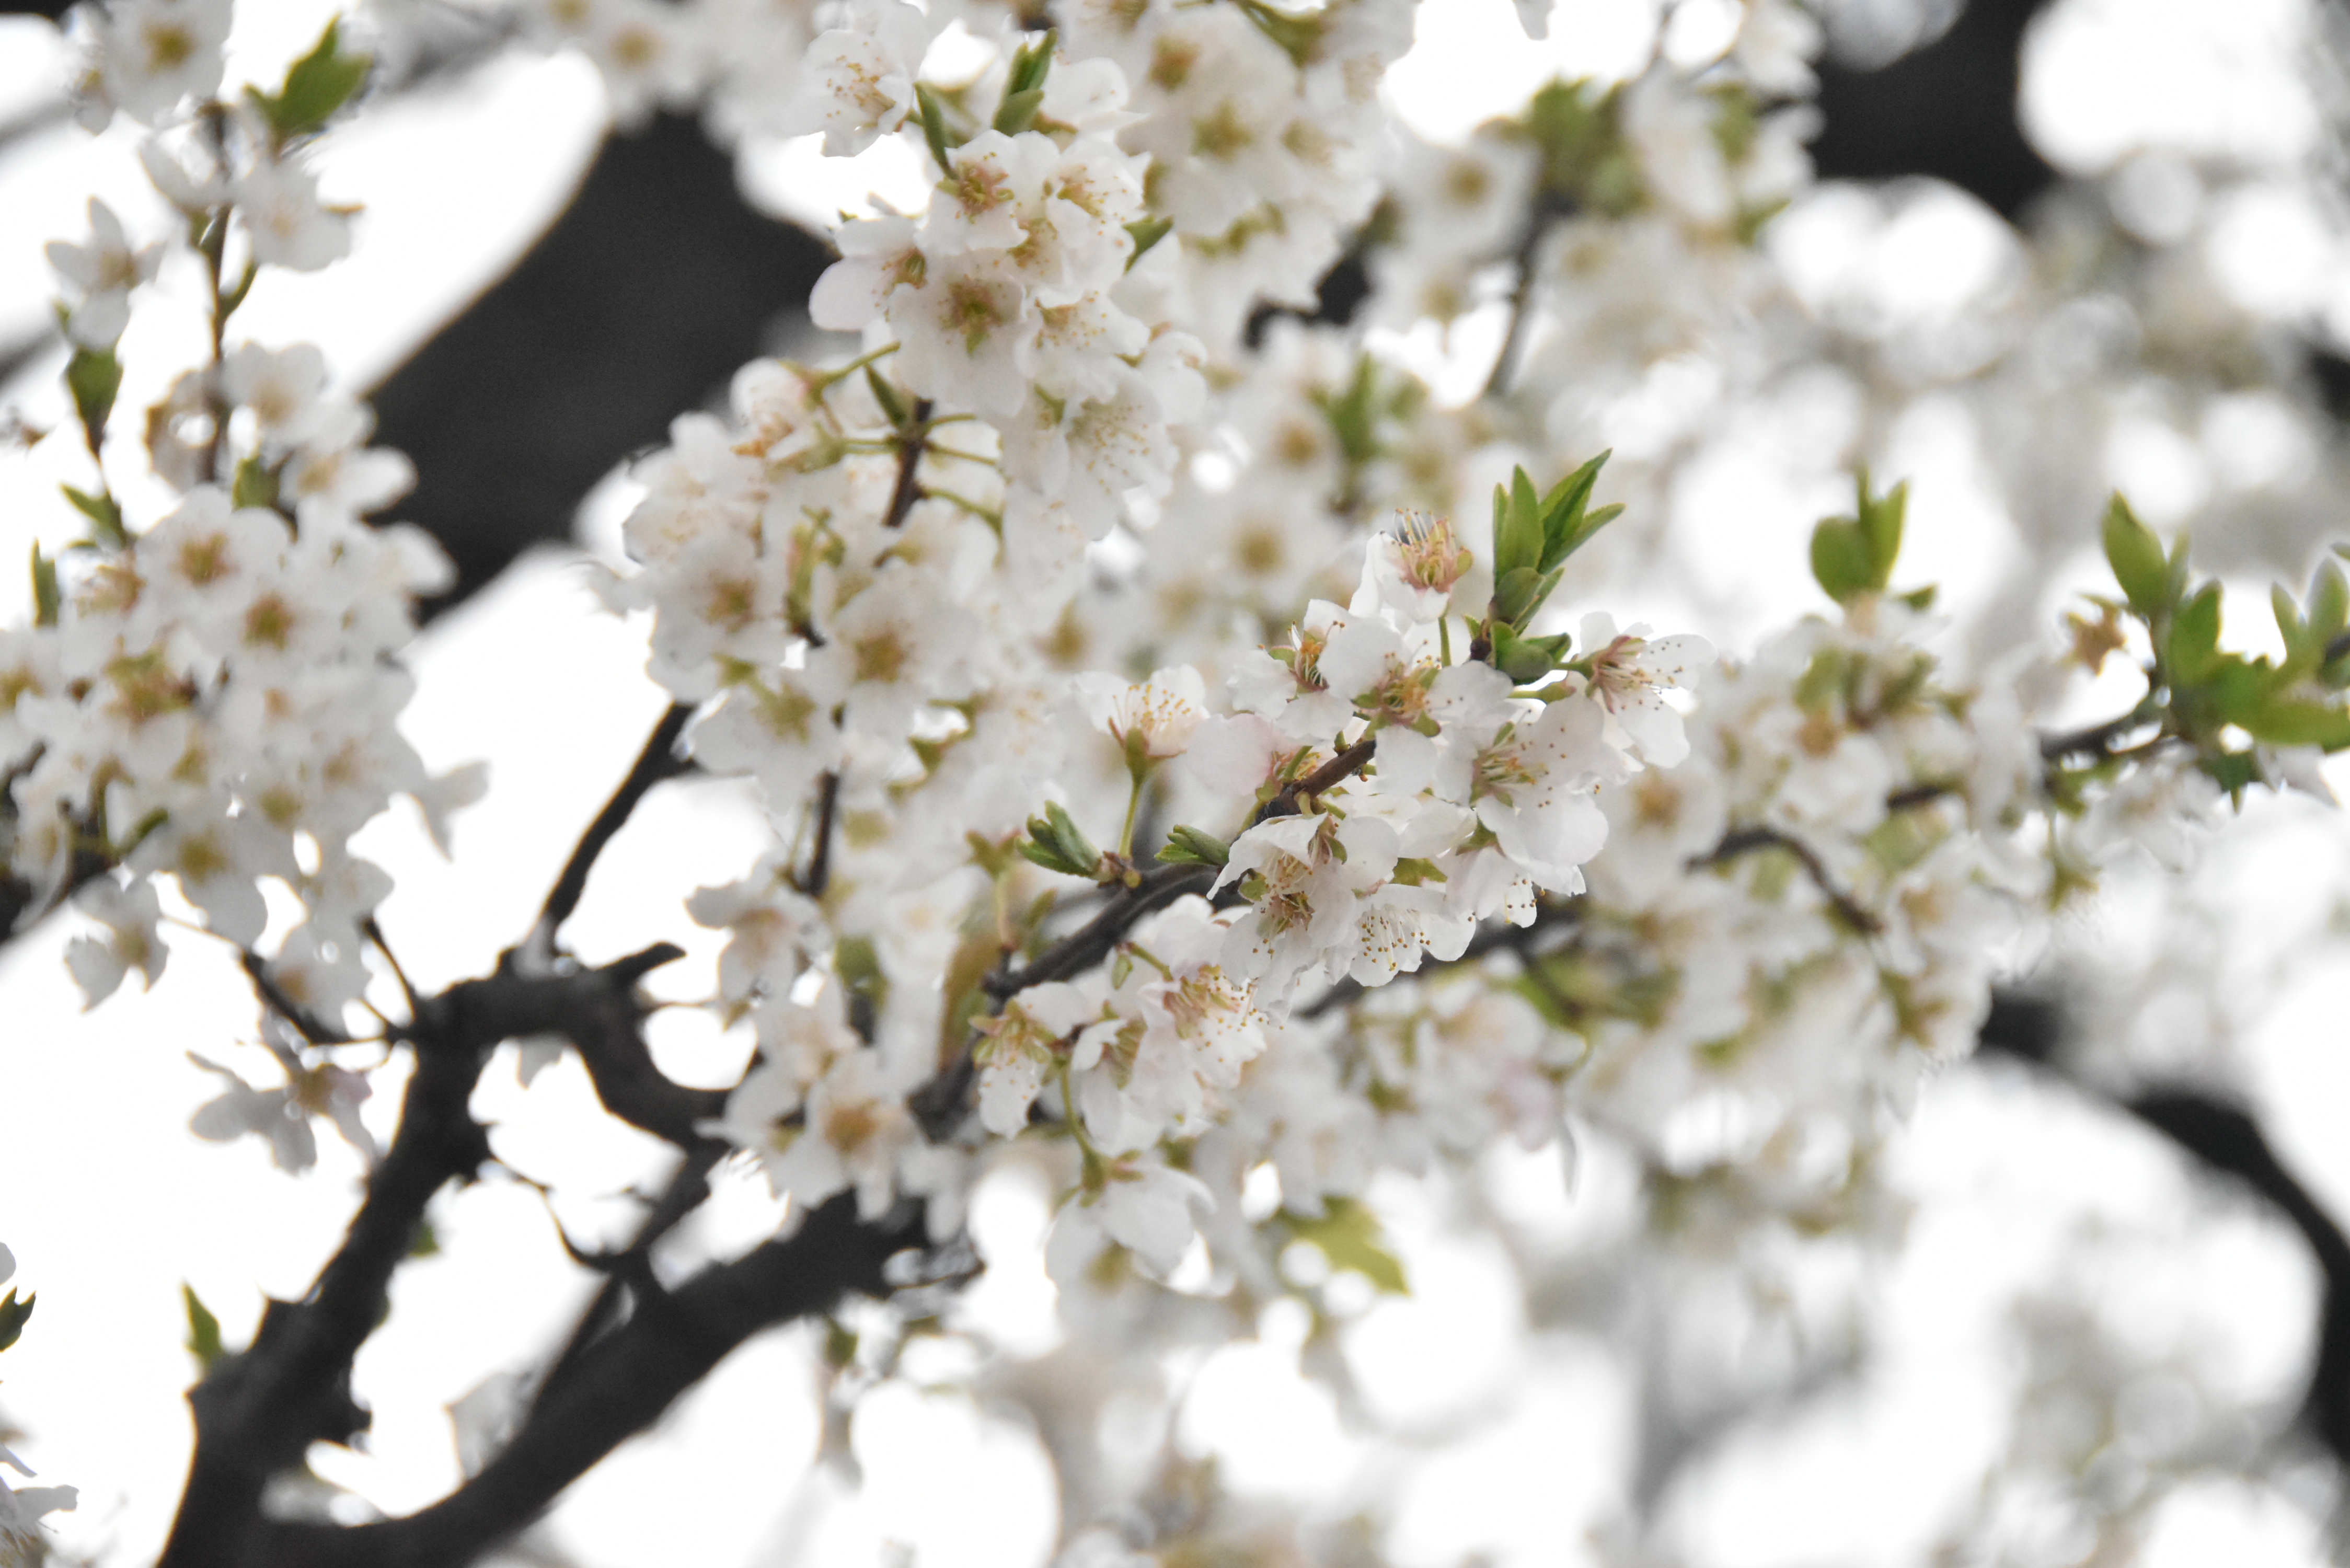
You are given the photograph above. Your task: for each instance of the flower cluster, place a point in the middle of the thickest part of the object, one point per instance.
(1083, 537)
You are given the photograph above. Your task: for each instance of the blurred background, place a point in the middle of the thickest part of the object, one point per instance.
(2097, 1311)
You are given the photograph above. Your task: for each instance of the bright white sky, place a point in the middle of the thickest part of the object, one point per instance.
(110, 1207)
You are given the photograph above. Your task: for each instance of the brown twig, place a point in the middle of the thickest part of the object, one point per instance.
(819, 869)
(910, 442)
(657, 761)
(1747, 840)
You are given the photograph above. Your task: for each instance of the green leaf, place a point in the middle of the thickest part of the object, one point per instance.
(1880, 521)
(1042, 852)
(1031, 65)
(105, 517)
(94, 375)
(934, 130)
(859, 963)
(1057, 842)
(2193, 653)
(2135, 555)
(203, 1331)
(1515, 594)
(1296, 35)
(12, 1315)
(2329, 603)
(1071, 839)
(426, 1243)
(316, 85)
(2234, 771)
(1191, 846)
(1566, 527)
(1353, 414)
(1523, 659)
(2291, 721)
(893, 407)
(1018, 110)
(1349, 1234)
(255, 484)
(47, 599)
(1517, 526)
(1147, 233)
(1841, 561)
(2290, 628)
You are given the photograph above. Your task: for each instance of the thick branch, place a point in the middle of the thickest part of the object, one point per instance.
(258, 1411)
(621, 1386)
(2225, 1139)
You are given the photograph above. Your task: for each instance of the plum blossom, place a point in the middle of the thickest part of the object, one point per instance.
(1156, 719)
(1629, 672)
(863, 77)
(104, 272)
(281, 1116)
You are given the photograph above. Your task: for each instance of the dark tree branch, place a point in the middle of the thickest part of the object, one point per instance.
(2225, 1139)
(646, 294)
(258, 1410)
(657, 761)
(912, 442)
(620, 1386)
(631, 1270)
(827, 805)
(1747, 840)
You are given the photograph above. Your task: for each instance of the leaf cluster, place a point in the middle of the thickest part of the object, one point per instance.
(2222, 704)
(317, 86)
(1577, 126)
(1852, 557)
(1532, 536)
(1057, 842)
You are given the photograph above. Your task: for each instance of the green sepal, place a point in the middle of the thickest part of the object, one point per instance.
(1349, 1234)
(2138, 562)
(12, 1315)
(934, 130)
(316, 85)
(48, 600)
(105, 517)
(94, 375)
(203, 1331)
(1147, 233)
